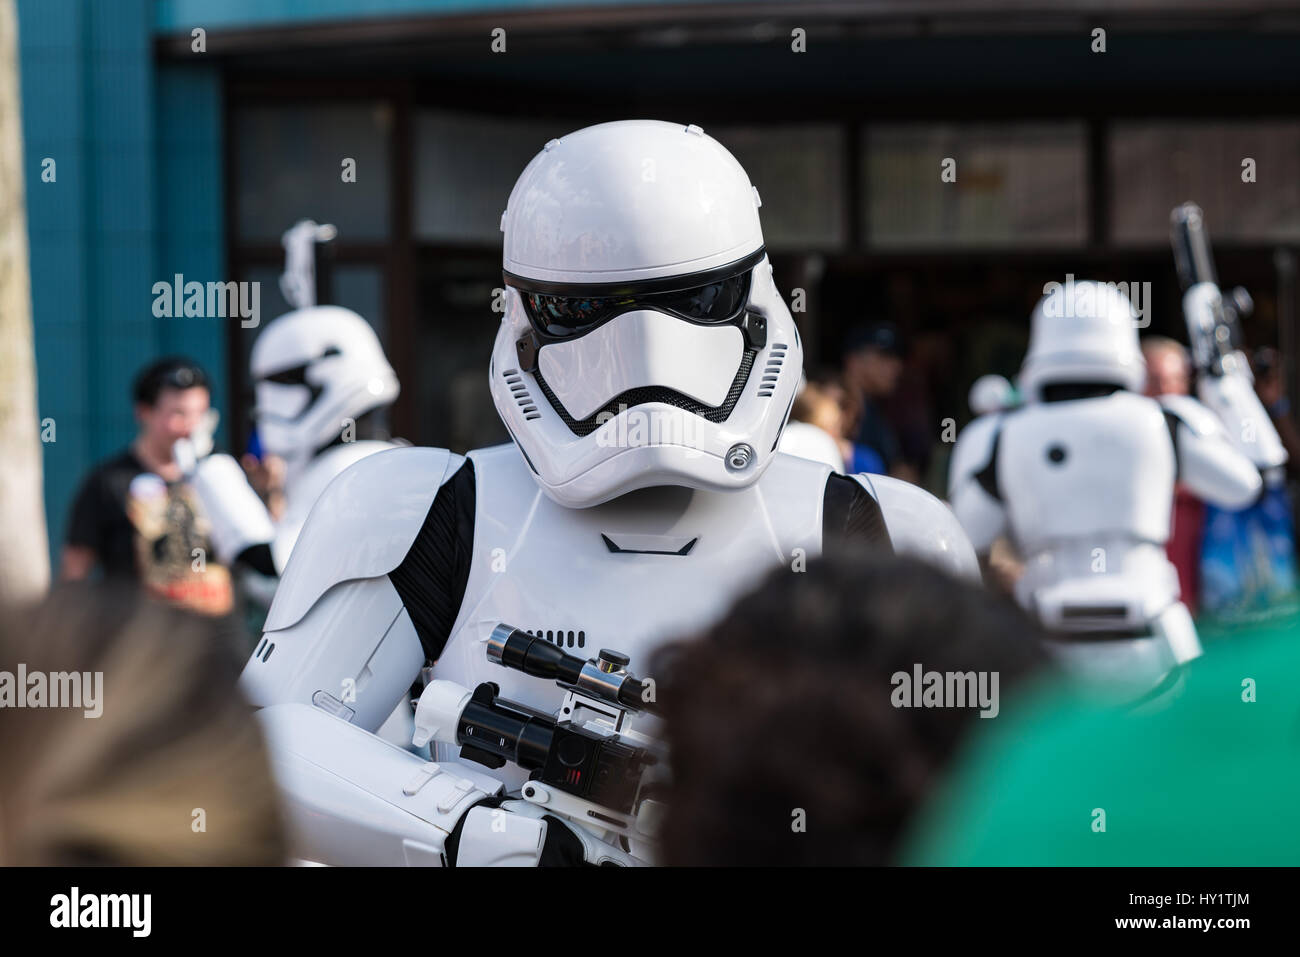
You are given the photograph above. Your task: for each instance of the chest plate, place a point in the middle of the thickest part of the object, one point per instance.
(653, 565)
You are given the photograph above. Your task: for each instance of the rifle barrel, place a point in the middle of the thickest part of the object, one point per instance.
(1191, 242)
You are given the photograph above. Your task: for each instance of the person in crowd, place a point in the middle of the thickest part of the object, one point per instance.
(1270, 386)
(133, 745)
(1248, 557)
(1169, 367)
(266, 474)
(1072, 781)
(927, 369)
(793, 732)
(1169, 372)
(857, 457)
(135, 516)
(872, 366)
(816, 427)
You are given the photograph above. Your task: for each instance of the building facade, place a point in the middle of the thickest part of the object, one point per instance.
(187, 135)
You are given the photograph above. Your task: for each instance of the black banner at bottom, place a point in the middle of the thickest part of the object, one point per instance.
(331, 906)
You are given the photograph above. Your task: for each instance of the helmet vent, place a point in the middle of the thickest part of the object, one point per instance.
(772, 371)
(562, 638)
(520, 391)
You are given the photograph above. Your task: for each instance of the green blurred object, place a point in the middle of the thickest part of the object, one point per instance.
(1211, 779)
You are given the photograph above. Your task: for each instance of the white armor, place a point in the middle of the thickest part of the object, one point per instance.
(1083, 487)
(627, 574)
(1224, 383)
(811, 442)
(316, 370)
(1228, 386)
(587, 536)
(308, 484)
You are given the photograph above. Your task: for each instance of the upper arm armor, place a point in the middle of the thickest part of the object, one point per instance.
(362, 526)
(973, 486)
(1208, 464)
(920, 525)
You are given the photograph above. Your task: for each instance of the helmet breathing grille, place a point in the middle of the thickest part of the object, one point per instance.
(772, 371)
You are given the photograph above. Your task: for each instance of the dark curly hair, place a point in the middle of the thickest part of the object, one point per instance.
(786, 704)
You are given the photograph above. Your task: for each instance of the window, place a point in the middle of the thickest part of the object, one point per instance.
(1016, 184)
(289, 166)
(1155, 166)
(799, 174)
(465, 167)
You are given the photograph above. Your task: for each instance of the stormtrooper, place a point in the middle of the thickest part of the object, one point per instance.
(1080, 477)
(320, 375)
(644, 366)
(320, 378)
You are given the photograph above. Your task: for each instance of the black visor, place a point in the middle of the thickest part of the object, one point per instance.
(714, 302)
(297, 375)
(714, 297)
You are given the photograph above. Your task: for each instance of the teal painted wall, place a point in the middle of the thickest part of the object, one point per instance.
(190, 225)
(137, 196)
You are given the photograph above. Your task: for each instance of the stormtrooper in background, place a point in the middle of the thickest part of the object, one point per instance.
(320, 377)
(1080, 478)
(645, 366)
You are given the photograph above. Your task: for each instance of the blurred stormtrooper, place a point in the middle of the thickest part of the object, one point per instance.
(644, 366)
(320, 376)
(1080, 478)
(992, 393)
(318, 372)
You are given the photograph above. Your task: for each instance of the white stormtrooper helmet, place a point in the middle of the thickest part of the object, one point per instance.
(1082, 332)
(643, 342)
(313, 369)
